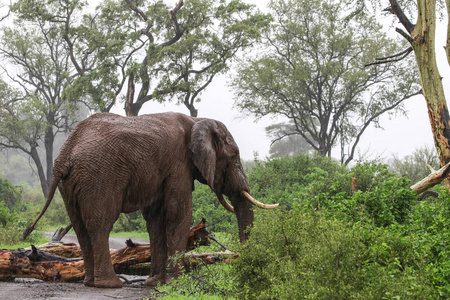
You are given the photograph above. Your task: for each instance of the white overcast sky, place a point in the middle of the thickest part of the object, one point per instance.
(401, 135)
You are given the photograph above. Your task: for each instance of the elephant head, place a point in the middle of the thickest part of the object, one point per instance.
(216, 157)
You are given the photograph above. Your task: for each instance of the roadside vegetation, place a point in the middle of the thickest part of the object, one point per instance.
(325, 241)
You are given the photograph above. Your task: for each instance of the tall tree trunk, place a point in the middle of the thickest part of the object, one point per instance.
(49, 141)
(40, 169)
(447, 47)
(423, 44)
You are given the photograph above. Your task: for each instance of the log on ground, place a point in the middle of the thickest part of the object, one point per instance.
(47, 262)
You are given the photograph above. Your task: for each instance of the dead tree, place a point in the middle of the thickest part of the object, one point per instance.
(63, 262)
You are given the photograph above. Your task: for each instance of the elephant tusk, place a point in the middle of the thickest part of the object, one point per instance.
(257, 203)
(225, 203)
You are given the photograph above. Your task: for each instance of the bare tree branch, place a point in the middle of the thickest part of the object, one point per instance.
(392, 58)
(397, 10)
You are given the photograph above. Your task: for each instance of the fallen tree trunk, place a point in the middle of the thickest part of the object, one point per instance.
(48, 262)
(431, 180)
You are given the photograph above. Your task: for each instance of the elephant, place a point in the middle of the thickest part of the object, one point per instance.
(111, 164)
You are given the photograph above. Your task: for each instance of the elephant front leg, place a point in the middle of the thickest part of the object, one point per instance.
(168, 228)
(158, 248)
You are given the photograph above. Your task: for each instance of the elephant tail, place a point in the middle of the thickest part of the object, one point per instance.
(57, 176)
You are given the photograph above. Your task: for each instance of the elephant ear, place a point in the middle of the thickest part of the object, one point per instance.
(203, 145)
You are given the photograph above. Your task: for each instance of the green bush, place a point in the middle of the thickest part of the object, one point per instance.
(10, 194)
(292, 255)
(206, 205)
(291, 180)
(130, 222)
(430, 227)
(315, 183)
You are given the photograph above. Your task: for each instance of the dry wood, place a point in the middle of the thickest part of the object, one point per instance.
(56, 262)
(431, 180)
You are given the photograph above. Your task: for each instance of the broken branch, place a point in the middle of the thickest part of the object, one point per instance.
(431, 180)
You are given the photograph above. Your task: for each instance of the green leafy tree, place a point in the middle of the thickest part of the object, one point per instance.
(32, 109)
(140, 51)
(285, 143)
(313, 73)
(10, 195)
(414, 166)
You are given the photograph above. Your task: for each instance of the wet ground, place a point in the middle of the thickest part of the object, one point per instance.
(24, 289)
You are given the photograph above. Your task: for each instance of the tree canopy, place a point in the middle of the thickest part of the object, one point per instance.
(312, 72)
(140, 51)
(36, 70)
(58, 54)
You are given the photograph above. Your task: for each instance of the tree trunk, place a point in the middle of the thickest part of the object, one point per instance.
(40, 169)
(447, 47)
(423, 44)
(49, 141)
(431, 180)
(61, 262)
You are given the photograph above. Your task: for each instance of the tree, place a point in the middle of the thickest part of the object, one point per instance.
(285, 145)
(421, 38)
(312, 73)
(65, 54)
(32, 109)
(414, 166)
(170, 52)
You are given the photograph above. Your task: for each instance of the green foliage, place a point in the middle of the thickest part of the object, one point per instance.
(414, 166)
(312, 71)
(130, 222)
(291, 180)
(430, 227)
(206, 205)
(313, 182)
(294, 254)
(202, 282)
(13, 214)
(10, 195)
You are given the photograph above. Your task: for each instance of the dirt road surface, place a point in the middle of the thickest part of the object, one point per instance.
(27, 288)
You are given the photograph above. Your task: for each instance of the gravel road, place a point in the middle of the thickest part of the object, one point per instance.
(114, 242)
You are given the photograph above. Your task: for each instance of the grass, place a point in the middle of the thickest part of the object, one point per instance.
(23, 244)
(130, 234)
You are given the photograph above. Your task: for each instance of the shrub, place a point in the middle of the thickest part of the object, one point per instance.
(291, 180)
(386, 203)
(312, 183)
(430, 227)
(9, 193)
(292, 255)
(206, 205)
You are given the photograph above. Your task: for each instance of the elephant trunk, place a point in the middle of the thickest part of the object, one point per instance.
(244, 214)
(243, 208)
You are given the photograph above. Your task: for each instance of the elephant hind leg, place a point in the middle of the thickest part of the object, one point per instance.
(86, 248)
(168, 223)
(104, 274)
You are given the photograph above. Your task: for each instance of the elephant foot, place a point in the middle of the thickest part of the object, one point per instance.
(173, 276)
(89, 281)
(110, 282)
(153, 281)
